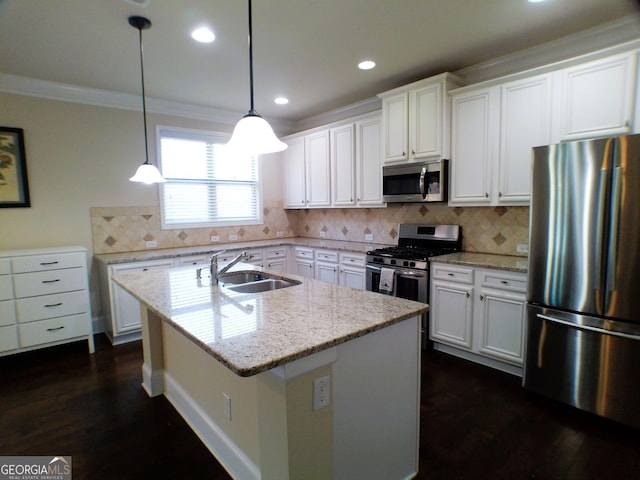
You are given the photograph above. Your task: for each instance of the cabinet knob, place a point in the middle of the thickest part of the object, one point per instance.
(486, 195)
(358, 199)
(413, 152)
(500, 194)
(482, 298)
(404, 153)
(468, 295)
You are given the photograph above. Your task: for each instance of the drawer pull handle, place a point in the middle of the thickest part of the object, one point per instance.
(49, 263)
(53, 305)
(55, 329)
(450, 274)
(51, 281)
(504, 282)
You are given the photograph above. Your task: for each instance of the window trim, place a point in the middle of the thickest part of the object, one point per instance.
(259, 220)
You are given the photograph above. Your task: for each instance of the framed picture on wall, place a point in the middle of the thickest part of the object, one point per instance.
(14, 185)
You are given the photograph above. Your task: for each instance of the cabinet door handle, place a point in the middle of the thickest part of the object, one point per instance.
(51, 281)
(413, 152)
(51, 305)
(49, 263)
(482, 298)
(54, 329)
(468, 295)
(486, 195)
(500, 194)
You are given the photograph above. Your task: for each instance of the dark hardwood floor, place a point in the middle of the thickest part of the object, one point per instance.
(476, 423)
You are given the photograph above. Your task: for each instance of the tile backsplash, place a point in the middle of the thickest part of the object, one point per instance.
(485, 229)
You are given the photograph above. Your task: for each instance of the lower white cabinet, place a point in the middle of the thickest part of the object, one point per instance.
(479, 312)
(122, 310)
(276, 258)
(44, 299)
(304, 263)
(327, 266)
(353, 270)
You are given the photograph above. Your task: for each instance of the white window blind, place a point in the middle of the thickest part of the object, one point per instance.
(205, 185)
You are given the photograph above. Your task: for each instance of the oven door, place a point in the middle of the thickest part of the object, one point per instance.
(408, 283)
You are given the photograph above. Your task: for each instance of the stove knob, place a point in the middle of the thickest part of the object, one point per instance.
(405, 264)
(393, 262)
(412, 264)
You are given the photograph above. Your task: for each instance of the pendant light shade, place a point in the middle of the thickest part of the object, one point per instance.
(146, 172)
(253, 135)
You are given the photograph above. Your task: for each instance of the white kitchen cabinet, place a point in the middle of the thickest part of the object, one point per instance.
(317, 169)
(44, 299)
(327, 266)
(479, 314)
(597, 97)
(304, 262)
(472, 146)
(493, 131)
(343, 166)
(415, 120)
(369, 163)
(451, 306)
(122, 310)
(276, 258)
(353, 270)
(295, 194)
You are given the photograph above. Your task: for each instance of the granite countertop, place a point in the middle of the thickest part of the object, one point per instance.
(510, 263)
(253, 333)
(339, 245)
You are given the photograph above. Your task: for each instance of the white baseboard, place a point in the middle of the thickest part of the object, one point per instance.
(232, 458)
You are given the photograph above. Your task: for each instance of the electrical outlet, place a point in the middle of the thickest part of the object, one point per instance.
(226, 406)
(280, 234)
(323, 234)
(233, 237)
(215, 238)
(522, 248)
(321, 392)
(368, 237)
(152, 244)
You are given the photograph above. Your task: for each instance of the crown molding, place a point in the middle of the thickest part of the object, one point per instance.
(64, 92)
(610, 38)
(353, 110)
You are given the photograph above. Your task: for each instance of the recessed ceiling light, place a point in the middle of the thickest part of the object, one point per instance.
(535, 1)
(366, 65)
(203, 35)
(281, 100)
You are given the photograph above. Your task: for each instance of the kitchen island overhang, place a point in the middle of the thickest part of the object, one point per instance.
(241, 370)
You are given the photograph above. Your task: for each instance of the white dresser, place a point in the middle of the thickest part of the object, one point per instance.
(44, 299)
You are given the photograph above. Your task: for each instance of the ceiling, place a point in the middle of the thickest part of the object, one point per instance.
(306, 50)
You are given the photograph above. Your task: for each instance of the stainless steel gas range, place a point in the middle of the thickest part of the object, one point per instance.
(408, 262)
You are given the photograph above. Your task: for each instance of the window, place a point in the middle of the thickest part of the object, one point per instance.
(205, 185)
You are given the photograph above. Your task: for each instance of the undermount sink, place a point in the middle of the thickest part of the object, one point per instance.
(253, 282)
(261, 285)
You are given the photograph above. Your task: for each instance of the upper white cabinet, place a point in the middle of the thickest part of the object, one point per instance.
(338, 166)
(597, 97)
(368, 162)
(416, 119)
(295, 194)
(318, 169)
(493, 131)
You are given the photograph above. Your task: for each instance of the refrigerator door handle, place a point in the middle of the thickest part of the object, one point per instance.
(616, 194)
(587, 327)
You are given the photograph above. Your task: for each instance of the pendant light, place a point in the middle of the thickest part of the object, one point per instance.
(146, 172)
(253, 135)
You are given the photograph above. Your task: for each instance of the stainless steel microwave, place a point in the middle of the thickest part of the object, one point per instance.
(416, 182)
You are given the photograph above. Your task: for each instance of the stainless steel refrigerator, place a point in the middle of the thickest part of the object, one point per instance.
(583, 312)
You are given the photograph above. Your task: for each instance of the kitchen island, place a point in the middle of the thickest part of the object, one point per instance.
(310, 381)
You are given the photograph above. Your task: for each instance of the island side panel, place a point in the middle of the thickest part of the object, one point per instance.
(153, 352)
(376, 404)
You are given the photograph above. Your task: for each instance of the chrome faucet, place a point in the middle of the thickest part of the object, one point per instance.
(213, 268)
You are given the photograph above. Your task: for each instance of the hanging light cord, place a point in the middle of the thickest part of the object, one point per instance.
(252, 111)
(144, 102)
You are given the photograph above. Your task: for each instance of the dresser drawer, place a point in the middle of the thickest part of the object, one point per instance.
(51, 306)
(53, 330)
(7, 312)
(455, 274)
(45, 283)
(5, 266)
(39, 263)
(8, 338)
(6, 287)
(327, 256)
